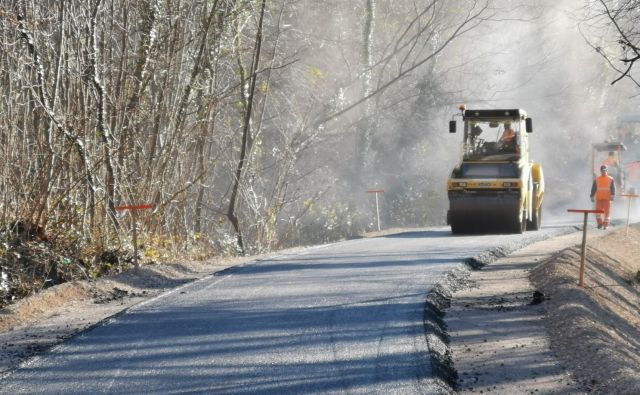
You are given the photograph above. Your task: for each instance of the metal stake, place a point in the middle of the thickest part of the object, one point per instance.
(377, 191)
(378, 212)
(629, 198)
(135, 239)
(583, 251)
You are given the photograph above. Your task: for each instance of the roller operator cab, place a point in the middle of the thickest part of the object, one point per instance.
(495, 187)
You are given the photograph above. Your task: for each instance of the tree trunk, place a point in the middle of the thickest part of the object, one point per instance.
(103, 128)
(43, 97)
(365, 125)
(246, 130)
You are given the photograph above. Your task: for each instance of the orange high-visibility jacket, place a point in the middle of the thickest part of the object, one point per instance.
(508, 135)
(603, 188)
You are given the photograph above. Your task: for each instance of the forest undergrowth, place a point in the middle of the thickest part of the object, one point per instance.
(32, 260)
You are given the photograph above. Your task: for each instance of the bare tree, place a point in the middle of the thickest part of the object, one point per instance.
(43, 100)
(624, 18)
(101, 113)
(228, 115)
(410, 47)
(248, 84)
(367, 124)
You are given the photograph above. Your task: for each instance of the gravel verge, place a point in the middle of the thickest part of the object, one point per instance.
(522, 325)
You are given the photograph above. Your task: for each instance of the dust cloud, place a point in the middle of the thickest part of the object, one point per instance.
(540, 61)
(519, 55)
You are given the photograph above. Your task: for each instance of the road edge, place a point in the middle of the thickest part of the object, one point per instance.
(439, 299)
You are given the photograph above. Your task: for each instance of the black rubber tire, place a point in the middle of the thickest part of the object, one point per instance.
(457, 228)
(519, 223)
(536, 221)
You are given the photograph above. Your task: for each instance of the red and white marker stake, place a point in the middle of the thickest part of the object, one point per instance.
(584, 239)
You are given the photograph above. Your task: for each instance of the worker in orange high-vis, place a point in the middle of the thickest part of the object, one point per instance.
(610, 160)
(613, 167)
(603, 191)
(508, 139)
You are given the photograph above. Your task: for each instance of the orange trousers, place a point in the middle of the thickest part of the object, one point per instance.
(603, 219)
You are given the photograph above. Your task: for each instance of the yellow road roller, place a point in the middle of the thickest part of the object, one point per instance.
(495, 187)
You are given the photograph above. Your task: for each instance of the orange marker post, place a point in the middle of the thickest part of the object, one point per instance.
(377, 191)
(133, 209)
(629, 198)
(584, 239)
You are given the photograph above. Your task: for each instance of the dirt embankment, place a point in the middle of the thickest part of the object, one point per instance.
(595, 330)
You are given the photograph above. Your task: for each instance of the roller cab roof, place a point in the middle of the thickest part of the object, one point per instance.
(629, 118)
(495, 114)
(609, 146)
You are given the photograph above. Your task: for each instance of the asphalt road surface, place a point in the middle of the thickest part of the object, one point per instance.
(339, 318)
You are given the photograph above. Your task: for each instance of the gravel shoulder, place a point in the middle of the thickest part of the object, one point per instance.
(595, 330)
(506, 338)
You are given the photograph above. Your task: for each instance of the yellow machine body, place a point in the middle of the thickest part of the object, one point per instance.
(495, 187)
